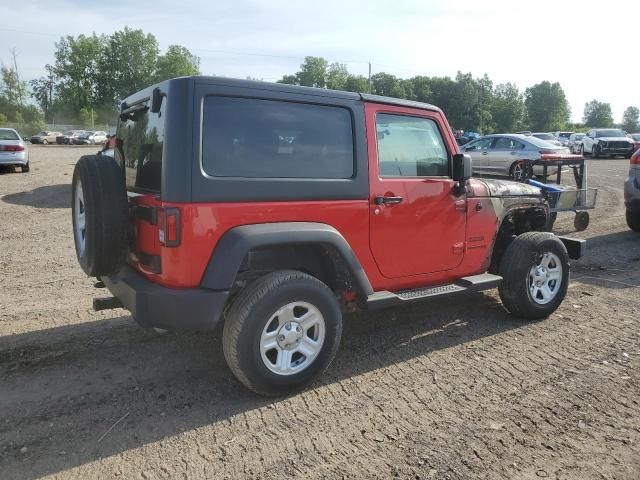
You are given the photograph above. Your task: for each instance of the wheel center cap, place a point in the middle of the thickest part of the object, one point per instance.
(289, 335)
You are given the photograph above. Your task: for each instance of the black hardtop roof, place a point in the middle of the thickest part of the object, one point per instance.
(280, 87)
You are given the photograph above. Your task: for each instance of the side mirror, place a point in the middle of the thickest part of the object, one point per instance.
(462, 167)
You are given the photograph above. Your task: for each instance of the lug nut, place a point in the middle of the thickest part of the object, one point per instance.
(288, 326)
(299, 329)
(281, 337)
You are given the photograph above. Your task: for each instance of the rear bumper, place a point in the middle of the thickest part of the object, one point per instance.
(14, 158)
(153, 305)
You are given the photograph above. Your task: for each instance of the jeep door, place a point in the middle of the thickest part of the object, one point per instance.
(417, 222)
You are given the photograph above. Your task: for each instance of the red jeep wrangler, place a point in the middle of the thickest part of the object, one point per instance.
(276, 208)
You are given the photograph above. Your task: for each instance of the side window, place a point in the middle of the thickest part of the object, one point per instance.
(482, 144)
(410, 147)
(253, 138)
(502, 143)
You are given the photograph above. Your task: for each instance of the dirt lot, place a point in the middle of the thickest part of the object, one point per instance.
(444, 390)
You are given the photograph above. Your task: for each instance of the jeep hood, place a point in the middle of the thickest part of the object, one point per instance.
(488, 187)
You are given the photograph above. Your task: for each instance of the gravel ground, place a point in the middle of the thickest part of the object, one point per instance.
(442, 390)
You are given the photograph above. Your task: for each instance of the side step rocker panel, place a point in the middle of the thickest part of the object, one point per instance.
(474, 283)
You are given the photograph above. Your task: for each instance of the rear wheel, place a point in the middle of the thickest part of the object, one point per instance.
(282, 332)
(633, 219)
(99, 214)
(24, 168)
(535, 272)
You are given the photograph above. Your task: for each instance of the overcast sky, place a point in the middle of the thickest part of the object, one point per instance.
(592, 51)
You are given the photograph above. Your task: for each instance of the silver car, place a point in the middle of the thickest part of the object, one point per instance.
(45, 137)
(509, 154)
(13, 151)
(575, 142)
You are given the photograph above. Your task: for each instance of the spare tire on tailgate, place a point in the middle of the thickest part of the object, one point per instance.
(100, 214)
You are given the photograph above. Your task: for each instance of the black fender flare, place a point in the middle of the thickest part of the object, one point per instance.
(235, 243)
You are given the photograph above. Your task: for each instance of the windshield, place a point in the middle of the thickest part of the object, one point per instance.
(609, 133)
(544, 136)
(564, 134)
(8, 135)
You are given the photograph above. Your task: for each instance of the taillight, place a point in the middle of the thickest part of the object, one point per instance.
(169, 226)
(635, 158)
(11, 148)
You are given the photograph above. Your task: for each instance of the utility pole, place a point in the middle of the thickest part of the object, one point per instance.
(369, 77)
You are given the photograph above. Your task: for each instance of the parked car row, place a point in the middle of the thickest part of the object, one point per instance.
(72, 137)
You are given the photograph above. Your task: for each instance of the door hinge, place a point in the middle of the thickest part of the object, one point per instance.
(461, 205)
(458, 247)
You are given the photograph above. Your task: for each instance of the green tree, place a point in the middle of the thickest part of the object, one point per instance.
(507, 108)
(177, 61)
(598, 114)
(313, 72)
(631, 120)
(390, 86)
(337, 76)
(547, 106)
(289, 80)
(3, 119)
(11, 87)
(42, 90)
(127, 64)
(78, 70)
(357, 83)
(421, 87)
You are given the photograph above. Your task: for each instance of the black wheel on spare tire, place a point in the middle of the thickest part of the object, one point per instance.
(99, 214)
(282, 332)
(633, 219)
(535, 272)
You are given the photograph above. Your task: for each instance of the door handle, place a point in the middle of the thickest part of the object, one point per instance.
(380, 200)
(485, 153)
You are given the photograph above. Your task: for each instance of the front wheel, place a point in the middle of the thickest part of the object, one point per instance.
(45, 142)
(282, 332)
(595, 152)
(535, 272)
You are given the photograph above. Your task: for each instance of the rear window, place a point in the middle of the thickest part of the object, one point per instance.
(8, 135)
(140, 140)
(275, 139)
